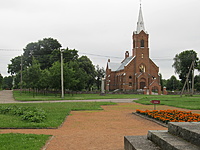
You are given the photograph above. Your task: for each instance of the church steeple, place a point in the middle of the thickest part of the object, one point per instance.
(140, 23)
(140, 39)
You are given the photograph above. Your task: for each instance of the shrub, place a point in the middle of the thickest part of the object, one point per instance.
(31, 114)
(34, 115)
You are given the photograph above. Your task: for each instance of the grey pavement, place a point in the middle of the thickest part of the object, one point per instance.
(6, 96)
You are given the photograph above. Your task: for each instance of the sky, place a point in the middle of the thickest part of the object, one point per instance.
(101, 29)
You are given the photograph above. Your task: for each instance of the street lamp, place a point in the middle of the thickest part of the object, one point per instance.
(61, 64)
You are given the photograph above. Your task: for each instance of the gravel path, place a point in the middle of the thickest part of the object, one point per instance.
(96, 130)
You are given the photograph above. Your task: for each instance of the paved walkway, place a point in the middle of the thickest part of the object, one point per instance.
(6, 96)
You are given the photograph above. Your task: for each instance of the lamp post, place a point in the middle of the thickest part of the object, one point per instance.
(102, 86)
(21, 77)
(61, 64)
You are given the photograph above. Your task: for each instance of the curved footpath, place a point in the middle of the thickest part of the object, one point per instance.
(99, 129)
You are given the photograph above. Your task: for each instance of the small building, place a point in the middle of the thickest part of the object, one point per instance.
(137, 71)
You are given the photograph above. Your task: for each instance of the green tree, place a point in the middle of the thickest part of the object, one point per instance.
(80, 76)
(1, 81)
(7, 82)
(68, 55)
(42, 51)
(15, 65)
(173, 84)
(86, 64)
(31, 76)
(182, 63)
(161, 81)
(55, 76)
(44, 80)
(197, 82)
(100, 73)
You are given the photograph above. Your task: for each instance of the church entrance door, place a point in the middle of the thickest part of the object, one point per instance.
(142, 85)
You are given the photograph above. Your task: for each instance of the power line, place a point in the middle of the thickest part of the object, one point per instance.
(97, 55)
(162, 59)
(10, 49)
(101, 55)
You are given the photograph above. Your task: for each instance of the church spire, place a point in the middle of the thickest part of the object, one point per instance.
(140, 23)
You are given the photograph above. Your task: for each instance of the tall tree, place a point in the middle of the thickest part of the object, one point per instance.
(173, 84)
(182, 63)
(100, 73)
(1, 81)
(161, 81)
(44, 81)
(15, 65)
(80, 76)
(7, 82)
(68, 55)
(197, 82)
(86, 64)
(32, 75)
(55, 76)
(42, 51)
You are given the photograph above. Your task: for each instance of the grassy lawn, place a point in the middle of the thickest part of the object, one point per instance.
(170, 100)
(192, 103)
(56, 114)
(17, 141)
(29, 96)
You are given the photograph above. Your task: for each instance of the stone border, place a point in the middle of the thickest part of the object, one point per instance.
(47, 143)
(150, 119)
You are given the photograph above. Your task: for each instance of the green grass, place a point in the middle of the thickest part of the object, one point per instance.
(56, 114)
(18, 141)
(192, 102)
(40, 97)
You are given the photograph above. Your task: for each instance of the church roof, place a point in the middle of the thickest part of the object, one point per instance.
(113, 66)
(120, 66)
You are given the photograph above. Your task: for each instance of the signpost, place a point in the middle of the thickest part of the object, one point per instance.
(155, 102)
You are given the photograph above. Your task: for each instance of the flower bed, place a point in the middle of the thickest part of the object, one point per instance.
(166, 116)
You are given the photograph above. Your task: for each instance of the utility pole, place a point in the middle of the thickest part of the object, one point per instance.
(61, 64)
(193, 80)
(186, 81)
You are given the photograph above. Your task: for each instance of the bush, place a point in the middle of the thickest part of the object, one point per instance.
(34, 115)
(31, 114)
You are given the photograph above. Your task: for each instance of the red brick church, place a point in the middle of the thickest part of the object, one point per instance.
(137, 71)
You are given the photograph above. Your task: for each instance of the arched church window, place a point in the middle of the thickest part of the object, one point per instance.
(142, 68)
(142, 43)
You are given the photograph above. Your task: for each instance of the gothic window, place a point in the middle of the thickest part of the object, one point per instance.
(142, 68)
(142, 43)
(130, 83)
